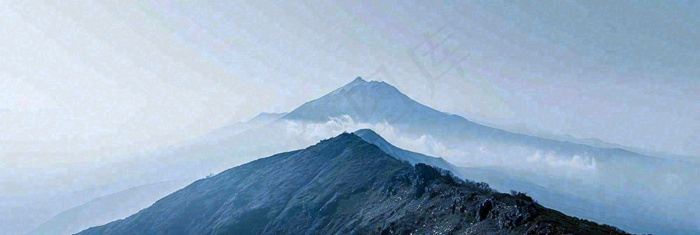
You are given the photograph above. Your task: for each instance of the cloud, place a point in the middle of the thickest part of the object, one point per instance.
(468, 153)
(425, 144)
(552, 159)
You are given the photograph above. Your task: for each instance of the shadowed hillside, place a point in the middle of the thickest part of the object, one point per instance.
(343, 185)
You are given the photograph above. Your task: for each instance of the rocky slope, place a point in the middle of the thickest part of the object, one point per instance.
(344, 185)
(632, 187)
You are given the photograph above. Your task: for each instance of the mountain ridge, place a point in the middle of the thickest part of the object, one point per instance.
(342, 185)
(411, 157)
(93, 212)
(216, 152)
(366, 101)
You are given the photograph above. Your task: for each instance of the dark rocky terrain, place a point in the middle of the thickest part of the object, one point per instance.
(344, 185)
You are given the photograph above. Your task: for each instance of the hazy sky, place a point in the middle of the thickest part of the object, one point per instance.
(84, 80)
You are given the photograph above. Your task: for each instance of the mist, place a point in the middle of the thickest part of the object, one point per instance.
(649, 190)
(100, 97)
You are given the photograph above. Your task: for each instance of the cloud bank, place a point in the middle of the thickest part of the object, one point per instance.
(468, 154)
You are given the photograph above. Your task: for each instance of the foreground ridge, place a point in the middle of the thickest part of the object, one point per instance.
(339, 186)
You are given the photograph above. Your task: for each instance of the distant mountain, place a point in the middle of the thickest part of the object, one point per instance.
(598, 143)
(259, 120)
(605, 175)
(366, 102)
(377, 102)
(502, 180)
(344, 185)
(108, 208)
(622, 214)
(588, 169)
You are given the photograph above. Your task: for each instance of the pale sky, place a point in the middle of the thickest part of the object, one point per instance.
(86, 80)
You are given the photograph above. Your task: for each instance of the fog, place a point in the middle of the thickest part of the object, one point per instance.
(102, 79)
(91, 90)
(649, 188)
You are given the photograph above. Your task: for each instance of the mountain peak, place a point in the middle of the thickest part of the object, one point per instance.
(365, 101)
(365, 131)
(358, 80)
(315, 190)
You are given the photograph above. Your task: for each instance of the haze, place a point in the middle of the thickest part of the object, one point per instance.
(86, 82)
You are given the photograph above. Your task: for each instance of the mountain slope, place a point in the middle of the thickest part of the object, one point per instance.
(645, 183)
(376, 102)
(108, 208)
(367, 102)
(617, 175)
(339, 186)
(259, 120)
(401, 154)
(563, 201)
(632, 219)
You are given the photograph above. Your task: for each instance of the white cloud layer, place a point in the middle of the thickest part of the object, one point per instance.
(468, 154)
